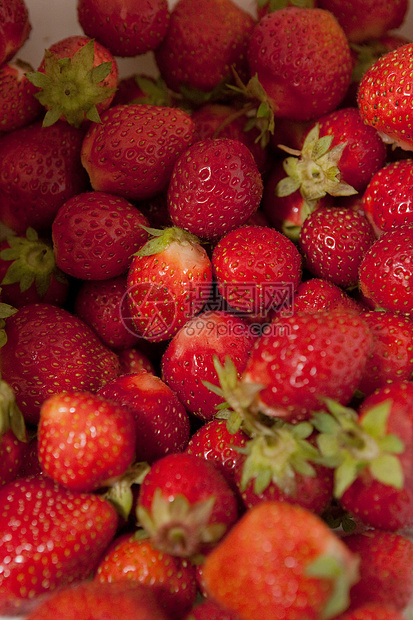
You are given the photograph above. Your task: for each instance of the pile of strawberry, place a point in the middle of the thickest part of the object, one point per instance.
(206, 395)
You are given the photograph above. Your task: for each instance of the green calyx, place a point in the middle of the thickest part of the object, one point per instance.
(5, 311)
(120, 492)
(276, 5)
(350, 444)
(162, 238)
(11, 418)
(72, 87)
(314, 170)
(32, 261)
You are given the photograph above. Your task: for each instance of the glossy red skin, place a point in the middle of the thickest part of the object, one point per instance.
(376, 504)
(388, 198)
(255, 267)
(203, 41)
(18, 105)
(188, 359)
(305, 357)
(136, 560)
(385, 569)
(160, 420)
(31, 195)
(48, 350)
(302, 60)
(333, 243)
(386, 271)
(72, 529)
(318, 294)
(15, 28)
(214, 188)
(132, 361)
(13, 454)
(371, 611)
(132, 152)
(125, 28)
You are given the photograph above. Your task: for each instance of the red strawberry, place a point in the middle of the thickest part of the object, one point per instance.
(132, 558)
(77, 79)
(383, 99)
(256, 268)
(333, 243)
(160, 420)
(362, 20)
(205, 39)
(51, 537)
(125, 29)
(189, 359)
(15, 28)
(185, 505)
(133, 150)
(48, 350)
(95, 235)
(371, 611)
(214, 188)
(169, 281)
(99, 600)
(85, 441)
(284, 561)
(18, 104)
(317, 294)
(132, 361)
(14, 441)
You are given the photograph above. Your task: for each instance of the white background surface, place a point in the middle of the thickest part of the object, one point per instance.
(52, 20)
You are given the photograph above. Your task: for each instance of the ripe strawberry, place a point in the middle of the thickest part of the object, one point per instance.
(85, 440)
(15, 28)
(99, 600)
(133, 360)
(185, 505)
(301, 59)
(362, 20)
(256, 268)
(371, 611)
(386, 271)
(385, 569)
(268, 6)
(388, 198)
(189, 358)
(284, 561)
(125, 29)
(317, 294)
(95, 235)
(132, 152)
(18, 104)
(28, 271)
(214, 188)
(14, 441)
(169, 281)
(48, 350)
(384, 100)
(77, 79)
(133, 558)
(160, 420)
(205, 39)
(51, 537)
(333, 242)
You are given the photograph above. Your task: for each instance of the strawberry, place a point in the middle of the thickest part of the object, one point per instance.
(40, 170)
(132, 558)
(385, 568)
(215, 187)
(51, 537)
(14, 441)
(77, 79)
(371, 611)
(133, 360)
(256, 268)
(185, 505)
(333, 242)
(384, 100)
(15, 28)
(210, 610)
(132, 152)
(125, 29)
(110, 225)
(85, 441)
(362, 20)
(318, 294)
(48, 350)
(386, 269)
(28, 271)
(268, 6)
(284, 561)
(189, 358)
(160, 420)
(18, 104)
(205, 39)
(99, 600)
(169, 281)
